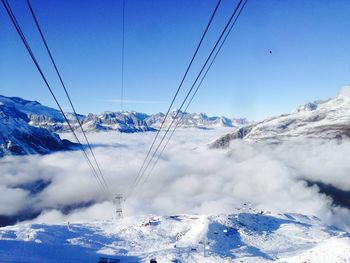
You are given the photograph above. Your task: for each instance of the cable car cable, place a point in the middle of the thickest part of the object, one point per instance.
(189, 92)
(25, 42)
(177, 92)
(65, 90)
(178, 123)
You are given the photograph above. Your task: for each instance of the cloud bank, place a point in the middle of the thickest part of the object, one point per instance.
(190, 178)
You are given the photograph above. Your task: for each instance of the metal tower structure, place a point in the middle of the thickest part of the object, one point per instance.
(118, 206)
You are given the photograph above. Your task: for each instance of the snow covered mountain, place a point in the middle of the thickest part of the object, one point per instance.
(116, 121)
(131, 121)
(18, 137)
(253, 236)
(195, 120)
(125, 121)
(328, 119)
(29, 127)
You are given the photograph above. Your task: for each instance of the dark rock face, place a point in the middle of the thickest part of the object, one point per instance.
(339, 197)
(224, 142)
(14, 219)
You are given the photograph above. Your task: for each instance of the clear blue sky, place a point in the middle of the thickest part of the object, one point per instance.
(309, 40)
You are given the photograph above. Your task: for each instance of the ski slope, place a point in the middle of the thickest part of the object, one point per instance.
(247, 236)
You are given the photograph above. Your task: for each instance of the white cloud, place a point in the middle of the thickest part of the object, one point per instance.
(12, 200)
(189, 179)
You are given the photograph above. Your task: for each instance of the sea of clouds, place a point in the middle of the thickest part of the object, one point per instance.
(189, 178)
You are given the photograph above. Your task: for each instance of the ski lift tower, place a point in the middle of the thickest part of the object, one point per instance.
(118, 206)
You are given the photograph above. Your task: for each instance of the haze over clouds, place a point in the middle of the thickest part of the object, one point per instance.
(190, 178)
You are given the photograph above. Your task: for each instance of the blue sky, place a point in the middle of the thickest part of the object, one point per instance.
(309, 41)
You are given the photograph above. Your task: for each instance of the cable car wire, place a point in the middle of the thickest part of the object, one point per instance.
(176, 94)
(178, 122)
(26, 44)
(197, 78)
(65, 91)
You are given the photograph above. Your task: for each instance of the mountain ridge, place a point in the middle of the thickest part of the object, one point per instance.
(321, 119)
(18, 137)
(123, 121)
(28, 127)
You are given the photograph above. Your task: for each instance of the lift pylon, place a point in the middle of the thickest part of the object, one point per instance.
(118, 206)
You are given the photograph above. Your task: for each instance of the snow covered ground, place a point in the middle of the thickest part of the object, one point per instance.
(245, 236)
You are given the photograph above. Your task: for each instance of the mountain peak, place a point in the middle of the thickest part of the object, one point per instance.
(345, 92)
(310, 106)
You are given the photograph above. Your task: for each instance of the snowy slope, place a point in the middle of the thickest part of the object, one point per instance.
(17, 137)
(320, 119)
(38, 115)
(249, 236)
(31, 108)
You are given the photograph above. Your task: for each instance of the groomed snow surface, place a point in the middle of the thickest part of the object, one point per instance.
(246, 236)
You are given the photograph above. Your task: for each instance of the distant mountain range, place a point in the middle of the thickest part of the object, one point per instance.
(28, 127)
(123, 121)
(131, 121)
(328, 119)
